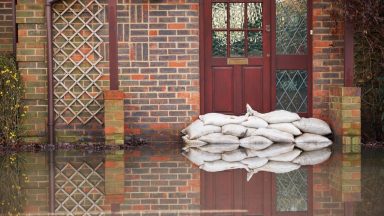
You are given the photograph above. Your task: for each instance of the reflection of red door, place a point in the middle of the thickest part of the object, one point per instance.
(228, 193)
(236, 56)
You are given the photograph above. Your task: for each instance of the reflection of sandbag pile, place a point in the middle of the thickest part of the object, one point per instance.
(278, 141)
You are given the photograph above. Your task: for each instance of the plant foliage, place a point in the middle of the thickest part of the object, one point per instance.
(367, 18)
(11, 106)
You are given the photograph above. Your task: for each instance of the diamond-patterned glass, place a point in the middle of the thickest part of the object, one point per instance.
(292, 191)
(77, 45)
(292, 90)
(79, 191)
(291, 27)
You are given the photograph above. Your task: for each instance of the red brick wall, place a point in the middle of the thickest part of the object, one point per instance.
(158, 62)
(158, 66)
(6, 28)
(328, 56)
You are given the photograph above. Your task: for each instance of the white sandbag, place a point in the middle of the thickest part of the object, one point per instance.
(220, 165)
(310, 142)
(255, 142)
(192, 143)
(313, 157)
(313, 125)
(255, 122)
(219, 138)
(219, 148)
(286, 157)
(277, 116)
(255, 162)
(234, 130)
(286, 127)
(279, 167)
(275, 135)
(273, 150)
(198, 157)
(198, 129)
(235, 155)
(251, 132)
(219, 119)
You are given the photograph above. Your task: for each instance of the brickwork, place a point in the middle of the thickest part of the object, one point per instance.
(114, 117)
(31, 49)
(158, 51)
(345, 112)
(158, 62)
(328, 56)
(160, 179)
(6, 28)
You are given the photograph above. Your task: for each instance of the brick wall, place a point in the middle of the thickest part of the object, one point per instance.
(158, 62)
(6, 28)
(328, 56)
(31, 49)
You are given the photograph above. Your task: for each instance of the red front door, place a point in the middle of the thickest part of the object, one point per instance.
(236, 72)
(236, 56)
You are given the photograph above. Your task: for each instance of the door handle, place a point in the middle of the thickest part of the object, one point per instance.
(267, 28)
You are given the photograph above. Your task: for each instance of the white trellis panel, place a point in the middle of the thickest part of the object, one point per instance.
(76, 45)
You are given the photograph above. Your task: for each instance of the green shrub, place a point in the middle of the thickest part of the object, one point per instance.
(12, 108)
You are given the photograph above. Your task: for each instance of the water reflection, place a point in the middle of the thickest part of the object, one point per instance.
(157, 180)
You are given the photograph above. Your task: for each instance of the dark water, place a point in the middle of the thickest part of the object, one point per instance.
(157, 180)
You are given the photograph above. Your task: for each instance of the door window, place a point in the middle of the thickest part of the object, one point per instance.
(237, 29)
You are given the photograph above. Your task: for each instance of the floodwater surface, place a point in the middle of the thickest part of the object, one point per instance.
(158, 180)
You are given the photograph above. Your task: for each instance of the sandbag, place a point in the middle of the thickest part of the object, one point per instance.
(219, 138)
(313, 157)
(235, 155)
(254, 122)
(251, 132)
(254, 162)
(198, 129)
(286, 157)
(219, 119)
(234, 130)
(220, 165)
(278, 116)
(255, 142)
(192, 143)
(273, 150)
(198, 157)
(310, 142)
(275, 135)
(313, 125)
(279, 167)
(286, 127)
(219, 148)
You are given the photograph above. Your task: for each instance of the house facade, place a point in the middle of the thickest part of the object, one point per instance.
(98, 69)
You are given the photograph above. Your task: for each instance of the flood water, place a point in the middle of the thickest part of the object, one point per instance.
(157, 180)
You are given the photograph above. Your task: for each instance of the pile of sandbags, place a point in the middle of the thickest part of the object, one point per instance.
(278, 141)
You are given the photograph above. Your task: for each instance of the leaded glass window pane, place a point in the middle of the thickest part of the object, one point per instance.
(236, 11)
(237, 41)
(292, 191)
(219, 43)
(292, 90)
(255, 43)
(219, 15)
(291, 27)
(255, 15)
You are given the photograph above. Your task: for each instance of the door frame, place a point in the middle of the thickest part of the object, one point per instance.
(272, 63)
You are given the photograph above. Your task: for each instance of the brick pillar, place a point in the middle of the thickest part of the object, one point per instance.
(114, 117)
(345, 116)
